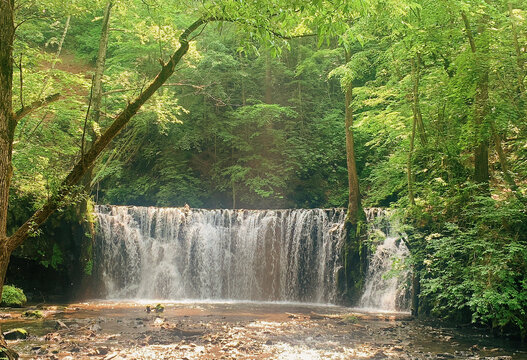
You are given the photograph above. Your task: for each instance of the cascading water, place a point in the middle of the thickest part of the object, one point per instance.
(387, 278)
(183, 253)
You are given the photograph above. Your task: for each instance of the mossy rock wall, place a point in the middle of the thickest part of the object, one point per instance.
(54, 265)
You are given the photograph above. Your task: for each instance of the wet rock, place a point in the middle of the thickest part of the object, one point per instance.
(268, 342)
(16, 334)
(34, 314)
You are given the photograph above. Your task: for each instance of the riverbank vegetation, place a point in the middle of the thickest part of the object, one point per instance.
(282, 105)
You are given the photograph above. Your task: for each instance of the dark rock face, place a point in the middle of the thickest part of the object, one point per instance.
(55, 265)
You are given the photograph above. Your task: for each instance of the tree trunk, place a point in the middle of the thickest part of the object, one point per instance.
(8, 125)
(415, 120)
(416, 99)
(481, 150)
(7, 131)
(57, 56)
(7, 121)
(519, 60)
(87, 159)
(242, 79)
(350, 278)
(99, 65)
(354, 203)
(97, 90)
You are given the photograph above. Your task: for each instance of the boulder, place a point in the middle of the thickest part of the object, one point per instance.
(16, 334)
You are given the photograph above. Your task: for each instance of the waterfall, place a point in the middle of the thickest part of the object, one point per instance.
(183, 253)
(386, 286)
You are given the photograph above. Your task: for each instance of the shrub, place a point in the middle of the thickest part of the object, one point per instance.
(13, 297)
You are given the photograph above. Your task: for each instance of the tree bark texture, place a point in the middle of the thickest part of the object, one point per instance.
(7, 131)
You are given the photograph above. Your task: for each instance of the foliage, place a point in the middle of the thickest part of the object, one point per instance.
(254, 118)
(13, 297)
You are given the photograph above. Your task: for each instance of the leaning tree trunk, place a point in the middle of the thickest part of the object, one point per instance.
(8, 121)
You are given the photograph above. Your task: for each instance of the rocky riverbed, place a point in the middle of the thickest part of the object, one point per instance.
(122, 330)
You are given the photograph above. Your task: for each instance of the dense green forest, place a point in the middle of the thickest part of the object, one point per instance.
(255, 117)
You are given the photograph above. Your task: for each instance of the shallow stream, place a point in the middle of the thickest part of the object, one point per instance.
(244, 330)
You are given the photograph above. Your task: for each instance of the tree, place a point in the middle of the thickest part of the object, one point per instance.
(260, 16)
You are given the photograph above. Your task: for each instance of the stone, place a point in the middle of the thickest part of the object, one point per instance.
(35, 314)
(16, 334)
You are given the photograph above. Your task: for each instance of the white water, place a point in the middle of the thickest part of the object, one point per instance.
(182, 253)
(387, 278)
(249, 255)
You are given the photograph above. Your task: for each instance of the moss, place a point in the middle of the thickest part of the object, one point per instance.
(13, 297)
(35, 314)
(88, 267)
(352, 319)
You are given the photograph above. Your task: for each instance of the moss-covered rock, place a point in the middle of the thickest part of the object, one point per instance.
(13, 297)
(16, 334)
(35, 314)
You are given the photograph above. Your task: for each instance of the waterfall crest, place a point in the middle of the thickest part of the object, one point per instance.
(182, 253)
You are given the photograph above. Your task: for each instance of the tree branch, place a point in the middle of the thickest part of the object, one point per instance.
(87, 160)
(197, 87)
(35, 105)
